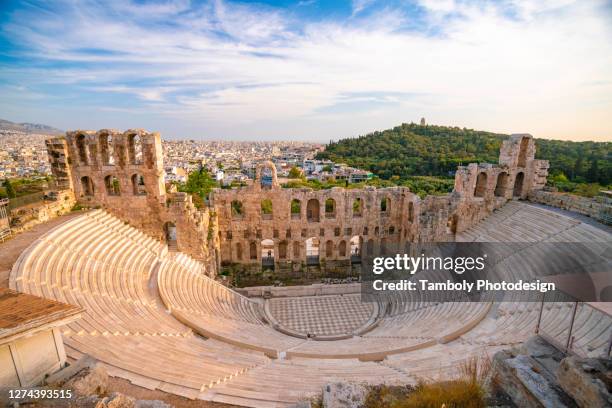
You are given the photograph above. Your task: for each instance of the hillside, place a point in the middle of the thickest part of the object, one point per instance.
(414, 150)
(29, 128)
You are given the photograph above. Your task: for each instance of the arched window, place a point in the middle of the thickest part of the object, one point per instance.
(282, 250)
(253, 250)
(411, 211)
(238, 251)
(329, 249)
(82, 149)
(296, 209)
(502, 185)
(330, 208)
(87, 187)
(481, 185)
(356, 245)
(357, 207)
(342, 248)
(384, 205)
(312, 251)
(312, 210)
(107, 150)
(138, 185)
(112, 185)
(266, 209)
(135, 149)
(518, 184)
(267, 252)
(237, 210)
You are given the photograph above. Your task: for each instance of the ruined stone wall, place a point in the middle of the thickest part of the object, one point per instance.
(598, 208)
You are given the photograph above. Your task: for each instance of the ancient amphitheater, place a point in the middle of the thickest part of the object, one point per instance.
(143, 266)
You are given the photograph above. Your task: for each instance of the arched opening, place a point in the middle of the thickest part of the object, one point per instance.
(296, 250)
(451, 224)
(502, 185)
(107, 150)
(266, 209)
(138, 185)
(267, 177)
(330, 208)
(238, 251)
(383, 246)
(253, 251)
(267, 252)
(237, 210)
(411, 211)
(82, 149)
(112, 185)
(329, 249)
(384, 205)
(481, 185)
(135, 149)
(87, 187)
(312, 251)
(342, 249)
(296, 209)
(370, 249)
(518, 184)
(357, 207)
(356, 243)
(391, 230)
(376, 231)
(522, 158)
(282, 250)
(170, 234)
(312, 210)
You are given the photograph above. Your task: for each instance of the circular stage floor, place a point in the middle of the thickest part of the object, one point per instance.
(322, 315)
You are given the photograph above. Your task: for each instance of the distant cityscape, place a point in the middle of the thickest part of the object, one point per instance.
(23, 155)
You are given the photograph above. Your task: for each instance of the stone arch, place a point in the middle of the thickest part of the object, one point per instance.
(342, 248)
(237, 209)
(411, 211)
(113, 187)
(170, 233)
(138, 185)
(518, 184)
(107, 150)
(330, 208)
(296, 209)
(262, 179)
(134, 148)
(267, 252)
(357, 207)
(481, 185)
(282, 250)
(523, 149)
(252, 250)
(238, 251)
(266, 209)
(502, 184)
(312, 250)
(296, 249)
(312, 210)
(81, 145)
(356, 243)
(329, 249)
(87, 187)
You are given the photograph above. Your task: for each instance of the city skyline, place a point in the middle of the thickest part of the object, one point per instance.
(309, 70)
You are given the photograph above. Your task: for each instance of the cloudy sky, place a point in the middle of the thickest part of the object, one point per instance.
(310, 69)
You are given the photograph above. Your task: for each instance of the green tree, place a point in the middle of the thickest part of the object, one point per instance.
(295, 173)
(10, 190)
(199, 184)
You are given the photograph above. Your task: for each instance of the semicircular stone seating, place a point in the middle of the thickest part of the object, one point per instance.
(156, 319)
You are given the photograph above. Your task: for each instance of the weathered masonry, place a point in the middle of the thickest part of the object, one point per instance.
(265, 224)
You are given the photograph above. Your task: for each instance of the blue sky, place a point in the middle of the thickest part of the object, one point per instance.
(309, 70)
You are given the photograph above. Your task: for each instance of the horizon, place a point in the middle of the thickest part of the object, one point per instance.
(309, 70)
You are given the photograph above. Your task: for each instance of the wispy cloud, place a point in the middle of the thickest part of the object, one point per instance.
(249, 70)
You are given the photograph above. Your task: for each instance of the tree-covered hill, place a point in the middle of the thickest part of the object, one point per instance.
(415, 150)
